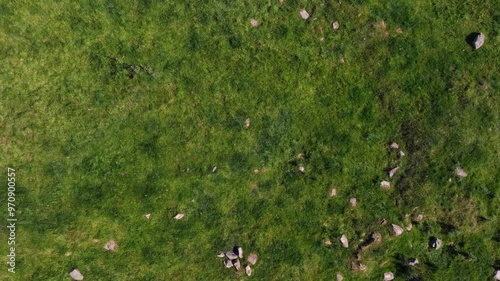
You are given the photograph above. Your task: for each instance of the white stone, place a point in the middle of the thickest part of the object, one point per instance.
(401, 154)
(230, 255)
(214, 168)
(221, 255)
(111, 246)
(409, 227)
(248, 270)
(179, 216)
(362, 267)
(460, 172)
(344, 241)
(385, 184)
(147, 216)
(237, 265)
(302, 169)
(398, 230)
(336, 25)
(413, 262)
(478, 41)
(304, 14)
(353, 202)
(240, 252)
(252, 258)
(247, 123)
(228, 263)
(254, 23)
(333, 192)
(340, 277)
(388, 276)
(393, 171)
(394, 145)
(497, 275)
(76, 275)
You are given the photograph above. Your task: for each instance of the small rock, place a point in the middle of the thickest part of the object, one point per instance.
(435, 243)
(413, 262)
(247, 123)
(419, 217)
(179, 216)
(231, 255)
(254, 23)
(280, 1)
(353, 202)
(497, 275)
(385, 184)
(409, 227)
(214, 168)
(333, 192)
(111, 246)
(147, 216)
(393, 171)
(248, 270)
(399, 30)
(336, 25)
(341, 60)
(394, 145)
(340, 277)
(388, 276)
(344, 241)
(221, 255)
(95, 241)
(328, 242)
(383, 222)
(302, 169)
(478, 41)
(252, 258)
(68, 254)
(237, 265)
(75, 274)
(228, 263)
(304, 14)
(256, 171)
(362, 267)
(460, 172)
(300, 155)
(401, 154)
(398, 230)
(238, 251)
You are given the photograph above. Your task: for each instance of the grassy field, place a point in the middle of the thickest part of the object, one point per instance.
(110, 110)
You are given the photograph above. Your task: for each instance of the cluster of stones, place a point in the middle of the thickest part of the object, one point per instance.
(385, 184)
(232, 259)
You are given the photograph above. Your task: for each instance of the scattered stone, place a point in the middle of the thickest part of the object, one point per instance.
(95, 241)
(362, 267)
(248, 270)
(435, 243)
(336, 25)
(179, 216)
(393, 171)
(385, 184)
(228, 263)
(252, 258)
(375, 238)
(302, 169)
(111, 246)
(401, 154)
(460, 172)
(333, 192)
(409, 227)
(413, 262)
(237, 265)
(478, 41)
(497, 275)
(214, 168)
(68, 254)
(304, 14)
(353, 202)
(75, 274)
(383, 221)
(147, 216)
(231, 255)
(340, 277)
(221, 255)
(256, 171)
(394, 145)
(341, 60)
(300, 155)
(388, 276)
(254, 23)
(344, 241)
(328, 242)
(280, 1)
(247, 121)
(398, 230)
(399, 30)
(419, 217)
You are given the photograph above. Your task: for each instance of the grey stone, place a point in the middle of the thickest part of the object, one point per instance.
(231, 255)
(248, 270)
(388, 276)
(460, 172)
(398, 230)
(76, 275)
(479, 41)
(393, 171)
(252, 258)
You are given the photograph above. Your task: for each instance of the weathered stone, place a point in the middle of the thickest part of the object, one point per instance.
(393, 171)
(248, 270)
(479, 41)
(344, 241)
(336, 25)
(409, 227)
(252, 258)
(333, 192)
(179, 216)
(385, 184)
(228, 263)
(388, 276)
(237, 265)
(75, 274)
(435, 243)
(394, 145)
(231, 255)
(413, 262)
(111, 246)
(398, 230)
(460, 172)
(401, 154)
(353, 202)
(304, 14)
(340, 277)
(221, 255)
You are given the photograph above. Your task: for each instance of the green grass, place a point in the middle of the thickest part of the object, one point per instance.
(95, 149)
